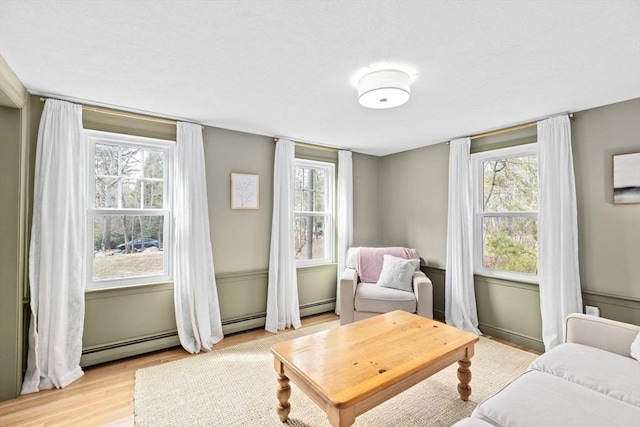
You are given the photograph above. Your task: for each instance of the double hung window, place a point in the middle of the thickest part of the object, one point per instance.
(129, 215)
(506, 212)
(313, 212)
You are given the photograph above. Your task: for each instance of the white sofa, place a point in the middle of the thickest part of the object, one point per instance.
(360, 300)
(590, 380)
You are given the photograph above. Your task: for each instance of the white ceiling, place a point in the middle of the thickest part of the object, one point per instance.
(289, 68)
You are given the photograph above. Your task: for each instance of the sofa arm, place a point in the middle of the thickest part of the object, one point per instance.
(423, 288)
(348, 282)
(601, 333)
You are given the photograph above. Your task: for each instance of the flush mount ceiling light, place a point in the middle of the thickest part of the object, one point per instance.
(384, 89)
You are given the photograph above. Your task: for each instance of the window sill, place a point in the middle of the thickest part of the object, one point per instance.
(128, 287)
(510, 277)
(316, 265)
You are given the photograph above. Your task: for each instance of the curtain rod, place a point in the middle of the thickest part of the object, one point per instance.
(512, 129)
(304, 144)
(125, 114)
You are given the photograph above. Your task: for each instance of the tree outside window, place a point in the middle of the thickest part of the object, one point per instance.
(313, 212)
(506, 211)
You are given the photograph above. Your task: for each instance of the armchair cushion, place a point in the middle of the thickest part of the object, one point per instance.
(372, 298)
(397, 273)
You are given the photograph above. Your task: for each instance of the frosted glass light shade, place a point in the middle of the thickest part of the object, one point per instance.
(384, 89)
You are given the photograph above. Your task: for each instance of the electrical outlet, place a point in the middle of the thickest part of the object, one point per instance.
(592, 310)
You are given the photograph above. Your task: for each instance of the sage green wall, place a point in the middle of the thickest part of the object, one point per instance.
(240, 238)
(609, 234)
(413, 212)
(413, 201)
(10, 253)
(413, 209)
(366, 200)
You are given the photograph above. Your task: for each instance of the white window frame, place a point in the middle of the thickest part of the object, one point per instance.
(99, 137)
(477, 163)
(329, 230)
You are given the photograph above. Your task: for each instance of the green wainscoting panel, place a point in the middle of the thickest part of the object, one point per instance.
(437, 276)
(622, 309)
(506, 310)
(243, 300)
(242, 294)
(317, 289)
(128, 321)
(243, 297)
(317, 283)
(510, 311)
(114, 315)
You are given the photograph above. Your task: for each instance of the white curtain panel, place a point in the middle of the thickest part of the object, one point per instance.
(558, 271)
(195, 292)
(460, 299)
(283, 309)
(345, 214)
(57, 272)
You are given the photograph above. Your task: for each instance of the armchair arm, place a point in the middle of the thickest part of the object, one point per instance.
(423, 288)
(601, 333)
(348, 282)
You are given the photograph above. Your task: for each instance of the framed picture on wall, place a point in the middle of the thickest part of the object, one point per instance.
(245, 191)
(626, 178)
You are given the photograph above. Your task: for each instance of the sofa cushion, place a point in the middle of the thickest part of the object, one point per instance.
(602, 371)
(538, 399)
(376, 299)
(397, 273)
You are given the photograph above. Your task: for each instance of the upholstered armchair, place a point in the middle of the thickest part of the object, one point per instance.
(379, 280)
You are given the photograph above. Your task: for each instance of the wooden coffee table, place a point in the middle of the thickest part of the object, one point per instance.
(353, 368)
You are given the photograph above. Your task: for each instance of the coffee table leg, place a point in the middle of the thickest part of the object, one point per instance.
(341, 417)
(464, 375)
(283, 393)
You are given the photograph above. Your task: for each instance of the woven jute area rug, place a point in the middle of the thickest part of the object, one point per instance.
(236, 386)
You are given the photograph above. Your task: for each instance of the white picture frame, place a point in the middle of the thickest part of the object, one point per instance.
(245, 191)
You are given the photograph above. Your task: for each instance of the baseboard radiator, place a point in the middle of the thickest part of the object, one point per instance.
(140, 345)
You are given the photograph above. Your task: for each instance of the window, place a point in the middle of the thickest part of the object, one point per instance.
(313, 212)
(129, 216)
(506, 212)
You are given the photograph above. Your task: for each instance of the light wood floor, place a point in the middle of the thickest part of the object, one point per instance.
(104, 395)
